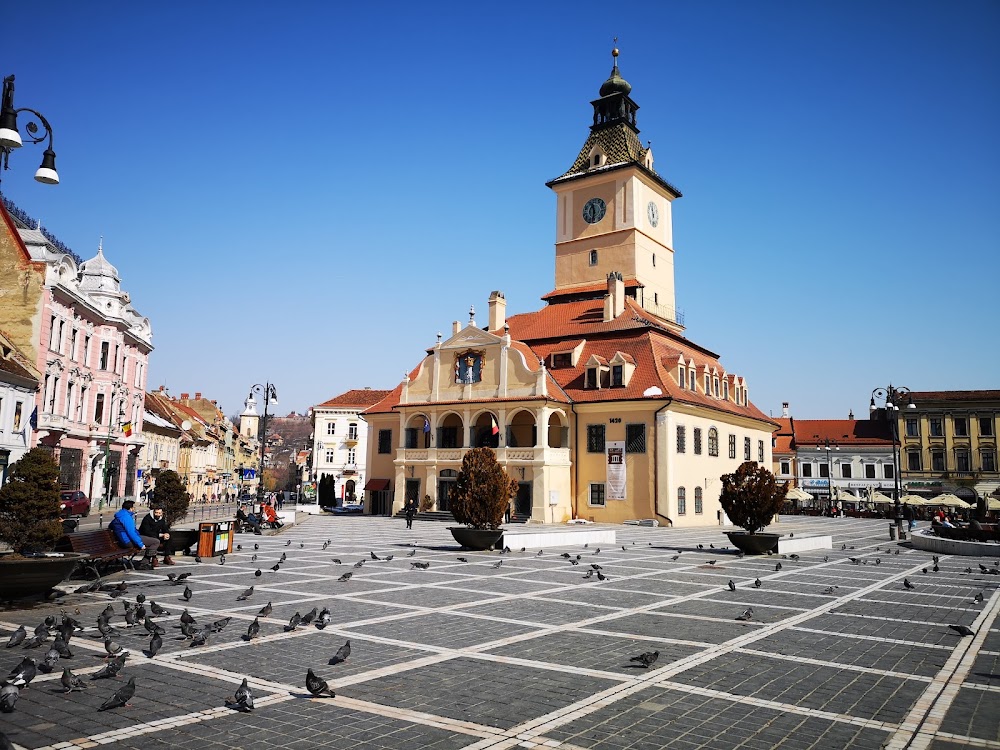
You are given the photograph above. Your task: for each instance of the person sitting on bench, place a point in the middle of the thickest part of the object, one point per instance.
(271, 517)
(123, 527)
(247, 520)
(155, 525)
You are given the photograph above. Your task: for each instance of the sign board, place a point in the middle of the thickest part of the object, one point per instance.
(615, 451)
(553, 497)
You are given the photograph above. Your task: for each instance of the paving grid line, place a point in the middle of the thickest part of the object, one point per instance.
(924, 720)
(834, 664)
(880, 639)
(968, 741)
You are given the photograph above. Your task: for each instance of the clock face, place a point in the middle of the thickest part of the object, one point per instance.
(593, 212)
(653, 213)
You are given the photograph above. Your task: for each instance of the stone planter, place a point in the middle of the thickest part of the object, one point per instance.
(20, 578)
(182, 539)
(476, 539)
(754, 544)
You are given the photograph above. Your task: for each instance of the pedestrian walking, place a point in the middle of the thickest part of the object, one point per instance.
(410, 510)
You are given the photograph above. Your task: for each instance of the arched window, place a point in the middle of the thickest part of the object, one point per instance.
(593, 257)
(713, 442)
(681, 501)
(698, 505)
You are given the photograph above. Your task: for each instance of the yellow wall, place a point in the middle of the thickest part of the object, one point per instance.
(21, 289)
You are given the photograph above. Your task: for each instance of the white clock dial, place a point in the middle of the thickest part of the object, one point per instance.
(653, 213)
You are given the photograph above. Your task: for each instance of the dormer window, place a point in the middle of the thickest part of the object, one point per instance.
(707, 389)
(617, 375)
(593, 257)
(725, 389)
(592, 379)
(564, 359)
(598, 158)
(691, 379)
(622, 368)
(682, 376)
(715, 386)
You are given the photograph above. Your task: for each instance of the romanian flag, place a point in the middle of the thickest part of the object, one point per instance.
(496, 427)
(127, 429)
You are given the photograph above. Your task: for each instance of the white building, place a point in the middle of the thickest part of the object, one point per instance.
(18, 384)
(340, 441)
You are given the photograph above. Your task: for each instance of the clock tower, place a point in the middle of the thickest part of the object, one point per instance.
(613, 211)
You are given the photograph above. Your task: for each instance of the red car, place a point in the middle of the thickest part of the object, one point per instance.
(73, 503)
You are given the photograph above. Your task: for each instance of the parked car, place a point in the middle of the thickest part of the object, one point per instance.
(347, 508)
(74, 503)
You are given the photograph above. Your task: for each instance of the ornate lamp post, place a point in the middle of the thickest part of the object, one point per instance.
(890, 398)
(10, 137)
(270, 394)
(828, 445)
(105, 499)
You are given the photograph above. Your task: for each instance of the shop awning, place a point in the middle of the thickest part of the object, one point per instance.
(377, 485)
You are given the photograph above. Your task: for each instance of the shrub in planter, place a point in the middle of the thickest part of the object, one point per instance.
(171, 496)
(482, 491)
(751, 496)
(29, 504)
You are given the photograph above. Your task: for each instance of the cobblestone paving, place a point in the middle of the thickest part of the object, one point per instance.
(837, 653)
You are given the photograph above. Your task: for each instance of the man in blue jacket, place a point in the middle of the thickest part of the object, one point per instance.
(123, 527)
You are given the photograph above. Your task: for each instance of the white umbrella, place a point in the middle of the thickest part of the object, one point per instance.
(847, 497)
(797, 493)
(912, 500)
(949, 501)
(879, 499)
(993, 504)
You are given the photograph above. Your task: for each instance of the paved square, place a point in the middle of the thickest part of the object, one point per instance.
(835, 654)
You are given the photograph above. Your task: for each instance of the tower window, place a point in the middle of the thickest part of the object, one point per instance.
(654, 260)
(656, 298)
(593, 257)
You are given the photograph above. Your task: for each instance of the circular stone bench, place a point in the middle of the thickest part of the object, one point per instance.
(928, 541)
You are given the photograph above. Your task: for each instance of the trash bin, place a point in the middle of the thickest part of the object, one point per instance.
(892, 531)
(215, 538)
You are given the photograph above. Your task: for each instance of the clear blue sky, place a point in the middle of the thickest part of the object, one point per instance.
(359, 175)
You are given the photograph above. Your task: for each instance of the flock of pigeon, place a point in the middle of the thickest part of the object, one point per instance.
(141, 613)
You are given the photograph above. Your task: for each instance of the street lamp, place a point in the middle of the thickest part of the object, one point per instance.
(891, 398)
(828, 445)
(105, 499)
(10, 137)
(270, 394)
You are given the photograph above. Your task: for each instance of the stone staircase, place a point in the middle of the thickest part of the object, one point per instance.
(446, 516)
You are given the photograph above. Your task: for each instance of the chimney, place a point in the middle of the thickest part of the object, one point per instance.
(455, 327)
(784, 409)
(197, 396)
(498, 311)
(614, 303)
(184, 396)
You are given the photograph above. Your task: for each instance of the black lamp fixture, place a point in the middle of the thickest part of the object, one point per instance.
(10, 136)
(891, 398)
(270, 394)
(828, 445)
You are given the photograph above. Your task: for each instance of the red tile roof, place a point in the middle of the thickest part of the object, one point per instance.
(843, 431)
(983, 395)
(357, 397)
(600, 286)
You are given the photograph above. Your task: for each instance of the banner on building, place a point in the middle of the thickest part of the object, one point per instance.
(616, 470)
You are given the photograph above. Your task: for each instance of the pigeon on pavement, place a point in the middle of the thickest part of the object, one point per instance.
(121, 697)
(978, 598)
(188, 593)
(907, 584)
(23, 673)
(647, 659)
(421, 565)
(70, 681)
(243, 700)
(962, 629)
(9, 694)
(253, 629)
(346, 576)
(374, 556)
(342, 653)
(732, 586)
(265, 610)
(111, 669)
(293, 622)
(50, 661)
(757, 584)
(187, 618)
(746, 615)
(411, 553)
(309, 616)
(154, 645)
(157, 610)
(17, 637)
(498, 563)
(325, 618)
(245, 595)
(318, 687)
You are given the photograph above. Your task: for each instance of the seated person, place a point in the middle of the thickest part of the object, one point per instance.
(155, 525)
(245, 520)
(271, 517)
(125, 533)
(947, 523)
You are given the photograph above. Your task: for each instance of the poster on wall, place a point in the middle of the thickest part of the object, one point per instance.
(616, 470)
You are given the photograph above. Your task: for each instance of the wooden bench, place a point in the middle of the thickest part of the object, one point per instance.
(988, 533)
(101, 548)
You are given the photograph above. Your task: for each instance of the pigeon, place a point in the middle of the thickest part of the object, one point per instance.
(62, 648)
(182, 576)
(647, 659)
(188, 593)
(346, 576)
(336, 561)
(218, 625)
(828, 590)
(878, 560)
(463, 559)
(732, 586)
(152, 627)
(978, 598)
(756, 583)
(121, 697)
(597, 551)
(157, 610)
(111, 669)
(288, 543)
(746, 615)
(199, 638)
(172, 577)
(17, 637)
(574, 562)
(420, 565)
(498, 563)
(923, 570)
(9, 694)
(962, 629)
(826, 558)
(257, 573)
(243, 701)
(222, 559)
(936, 568)
(253, 629)
(187, 630)
(506, 550)
(411, 553)
(538, 554)
(197, 559)
(589, 575)
(302, 545)
(256, 546)
(276, 567)
(777, 566)
(36, 640)
(265, 610)
(793, 557)
(567, 555)
(712, 562)
(701, 546)
(672, 559)
(595, 566)
(308, 616)
(154, 645)
(318, 687)
(113, 648)
(359, 563)
(324, 619)
(293, 622)
(245, 595)
(601, 576)
(388, 558)
(50, 661)
(374, 556)
(342, 653)
(70, 681)
(907, 584)
(239, 547)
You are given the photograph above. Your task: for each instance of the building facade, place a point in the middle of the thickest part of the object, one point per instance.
(835, 458)
(19, 382)
(597, 405)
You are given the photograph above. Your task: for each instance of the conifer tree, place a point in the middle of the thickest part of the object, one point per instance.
(171, 496)
(482, 491)
(751, 496)
(29, 504)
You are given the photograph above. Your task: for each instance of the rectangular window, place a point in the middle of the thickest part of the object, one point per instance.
(86, 350)
(52, 396)
(824, 470)
(760, 451)
(888, 472)
(352, 455)
(105, 352)
(53, 323)
(985, 426)
(786, 468)
(937, 428)
(410, 437)
(595, 438)
(331, 456)
(732, 446)
(845, 471)
(715, 387)
(682, 376)
(962, 461)
(697, 441)
(597, 494)
(564, 359)
(617, 375)
(681, 501)
(691, 380)
(681, 446)
(72, 344)
(352, 431)
(989, 461)
(331, 428)
(99, 409)
(746, 449)
(913, 460)
(937, 460)
(961, 427)
(807, 470)
(635, 438)
(725, 390)
(18, 406)
(82, 405)
(713, 442)
(591, 377)
(708, 388)
(912, 427)
(385, 441)
(698, 501)
(869, 471)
